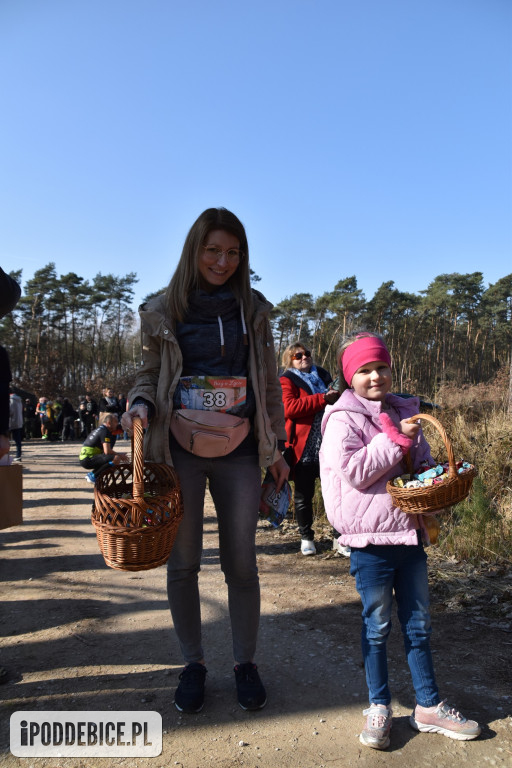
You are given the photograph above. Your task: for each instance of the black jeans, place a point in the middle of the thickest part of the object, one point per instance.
(97, 463)
(304, 477)
(235, 486)
(16, 435)
(68, 428)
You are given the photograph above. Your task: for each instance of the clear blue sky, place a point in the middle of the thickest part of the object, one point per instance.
(366, 137)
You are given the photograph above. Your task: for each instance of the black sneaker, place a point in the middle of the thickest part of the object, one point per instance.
(189, 695)
(250, 690)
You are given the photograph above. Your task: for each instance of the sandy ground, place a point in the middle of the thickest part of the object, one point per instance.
(77, 635)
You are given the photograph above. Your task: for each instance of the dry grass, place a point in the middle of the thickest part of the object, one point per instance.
(486, 442)
(475, 399)
(480, 528)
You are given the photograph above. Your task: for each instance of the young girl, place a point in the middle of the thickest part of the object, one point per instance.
(365, 437)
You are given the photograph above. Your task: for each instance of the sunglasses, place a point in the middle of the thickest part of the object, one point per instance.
(300, 355)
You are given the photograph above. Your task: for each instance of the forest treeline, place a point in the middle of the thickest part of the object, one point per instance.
(456, 330)
(68, 335)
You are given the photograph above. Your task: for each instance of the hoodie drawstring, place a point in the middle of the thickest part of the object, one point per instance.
(221, 330)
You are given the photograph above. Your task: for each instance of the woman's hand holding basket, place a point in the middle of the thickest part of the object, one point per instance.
(139, 410)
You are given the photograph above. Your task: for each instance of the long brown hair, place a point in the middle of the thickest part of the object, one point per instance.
(186, 277)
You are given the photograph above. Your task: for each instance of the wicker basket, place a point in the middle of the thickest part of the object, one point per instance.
(453, 489)
(137, 510)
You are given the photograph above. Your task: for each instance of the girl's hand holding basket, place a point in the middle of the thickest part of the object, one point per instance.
(439, 495)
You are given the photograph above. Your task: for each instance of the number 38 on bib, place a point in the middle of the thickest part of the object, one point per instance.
(212, 393)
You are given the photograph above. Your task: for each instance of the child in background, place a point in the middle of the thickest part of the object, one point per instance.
(97, 452)
(365, 436)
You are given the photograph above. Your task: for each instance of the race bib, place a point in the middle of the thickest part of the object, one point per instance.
(212, 393)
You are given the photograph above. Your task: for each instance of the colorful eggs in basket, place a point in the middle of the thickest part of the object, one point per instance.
(428, 476)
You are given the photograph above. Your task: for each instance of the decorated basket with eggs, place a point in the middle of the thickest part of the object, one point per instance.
(445, 489)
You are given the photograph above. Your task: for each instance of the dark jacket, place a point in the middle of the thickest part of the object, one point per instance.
(67, 410)
(106, 407)
(5, 377)
(10, 292)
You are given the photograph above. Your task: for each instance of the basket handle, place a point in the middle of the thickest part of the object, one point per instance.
(452, 471)
(138, 459)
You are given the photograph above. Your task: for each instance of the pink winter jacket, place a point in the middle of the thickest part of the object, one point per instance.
(362, 449)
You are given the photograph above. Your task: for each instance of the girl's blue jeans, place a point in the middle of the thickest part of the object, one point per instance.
(379, 571)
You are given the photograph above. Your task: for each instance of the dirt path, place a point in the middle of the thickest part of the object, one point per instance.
(77, 635)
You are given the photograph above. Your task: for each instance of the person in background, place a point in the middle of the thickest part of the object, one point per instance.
(306, 392)
(68, 420)
(16, 422)
(49, 420)
(211, 323)
(97, 452)
(122, 408)
(5, 377)
(10, 293)
(82, 415)
(108, 404)
(366, 435)
(30, 421)
(91, 407)
(56, 415)
(41, 413)
(121, 399)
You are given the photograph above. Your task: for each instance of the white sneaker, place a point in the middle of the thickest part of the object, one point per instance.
(307, 547)
(446, 720)
(375, 734)
(340, 549)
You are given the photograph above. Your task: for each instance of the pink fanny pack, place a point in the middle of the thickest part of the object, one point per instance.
(208, 433)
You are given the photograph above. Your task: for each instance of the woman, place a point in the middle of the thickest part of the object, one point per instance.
(305, 394)
(109, 404)
(210, 323)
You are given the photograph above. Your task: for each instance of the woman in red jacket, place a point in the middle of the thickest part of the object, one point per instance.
(305, 394)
